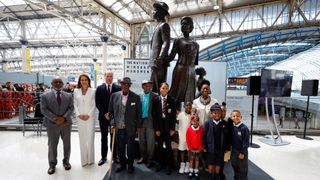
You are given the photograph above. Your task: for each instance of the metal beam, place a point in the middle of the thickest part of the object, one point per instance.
(75, 18)
(146, 6)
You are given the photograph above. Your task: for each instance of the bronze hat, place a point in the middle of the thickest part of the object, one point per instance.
(163, 6)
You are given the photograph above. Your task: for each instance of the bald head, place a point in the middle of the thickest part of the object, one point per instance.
(57, 83)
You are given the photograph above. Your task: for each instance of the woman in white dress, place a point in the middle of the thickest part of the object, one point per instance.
(84, 106)
(203, 104)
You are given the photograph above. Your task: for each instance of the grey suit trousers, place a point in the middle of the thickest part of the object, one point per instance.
(147, 142)
(54, 133)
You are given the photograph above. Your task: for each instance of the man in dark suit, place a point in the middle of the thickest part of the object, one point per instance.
(164, 117)
(57, 107)
(103, 95)
(160, 44)
(125, 108)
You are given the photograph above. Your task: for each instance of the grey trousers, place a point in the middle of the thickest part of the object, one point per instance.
(54, 133)
(147, 143)
(240, 167)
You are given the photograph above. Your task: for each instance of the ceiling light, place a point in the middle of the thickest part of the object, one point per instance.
(216, 7)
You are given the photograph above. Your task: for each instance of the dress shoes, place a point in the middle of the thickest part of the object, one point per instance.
(120, 168)
(150, 164)
(51, 170)
(102, 161)
(67, 166)
(130, 170)
(168, 171)
(116, 160)
(158, 168)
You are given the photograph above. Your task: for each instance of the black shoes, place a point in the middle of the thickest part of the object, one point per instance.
(116, 160)
(67, 166)
(120, 168)
(130, 170)
(150, 164)
(168, 171)
(158, 168)
(101, 162)
(51, 170)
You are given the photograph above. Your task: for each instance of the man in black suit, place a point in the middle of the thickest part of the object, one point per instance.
(164, 117)
(103, 95)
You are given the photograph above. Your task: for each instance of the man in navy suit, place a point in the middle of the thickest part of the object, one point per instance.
(103, 95)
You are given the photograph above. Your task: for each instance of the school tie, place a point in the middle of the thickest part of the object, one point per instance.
(59, 97)
(164, 106)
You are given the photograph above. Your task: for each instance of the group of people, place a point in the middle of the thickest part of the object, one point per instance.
(203, 134)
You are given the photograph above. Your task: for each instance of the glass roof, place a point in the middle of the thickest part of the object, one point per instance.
(11, 2)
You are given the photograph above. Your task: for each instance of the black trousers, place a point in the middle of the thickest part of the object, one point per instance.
(104, 128)
(122, 140)
(164, 155)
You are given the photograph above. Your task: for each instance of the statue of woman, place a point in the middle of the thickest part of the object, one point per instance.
(183, 86)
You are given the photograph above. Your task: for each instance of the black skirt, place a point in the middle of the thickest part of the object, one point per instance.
(215, 158)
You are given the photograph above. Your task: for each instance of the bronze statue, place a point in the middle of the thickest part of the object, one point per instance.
(160, 44)
(183, 86)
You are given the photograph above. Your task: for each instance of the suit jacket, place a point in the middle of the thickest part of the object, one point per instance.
(102, 99)
(132, 114)
(51, 109)
(84, 104)
(160, 44)
(149, 122)
(209, 137)
(169, 122)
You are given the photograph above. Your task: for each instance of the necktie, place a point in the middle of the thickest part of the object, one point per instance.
(108, 89)
(59, 97)
(164, 106)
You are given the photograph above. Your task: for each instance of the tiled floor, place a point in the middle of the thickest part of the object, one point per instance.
(24, 158)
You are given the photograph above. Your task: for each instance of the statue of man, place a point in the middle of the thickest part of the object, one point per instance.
(160, 44)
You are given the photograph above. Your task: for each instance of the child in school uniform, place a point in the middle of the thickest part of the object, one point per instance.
(214, 141)
(164, 122)
(240, 144)
(194, 142)
(184, 123)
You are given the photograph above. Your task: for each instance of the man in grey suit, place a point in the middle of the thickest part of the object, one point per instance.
(57, 107)
(125, 113)
(160, 44)
(147, 134)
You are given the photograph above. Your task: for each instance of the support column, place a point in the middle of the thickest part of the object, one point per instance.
(25, 51)
(104, 40)
(4, 63)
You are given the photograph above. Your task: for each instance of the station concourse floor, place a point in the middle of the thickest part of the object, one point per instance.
(25, 157)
